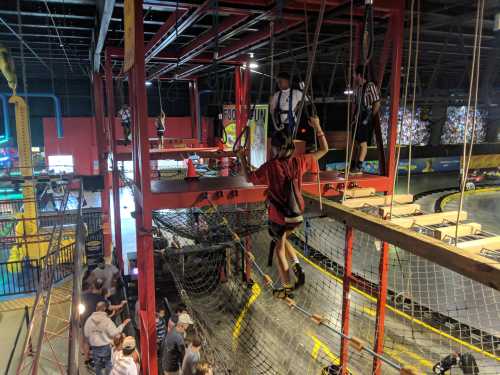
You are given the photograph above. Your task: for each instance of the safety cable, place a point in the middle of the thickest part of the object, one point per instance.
(405, 98)
(475, 70)
(412, 118)
(159, 95)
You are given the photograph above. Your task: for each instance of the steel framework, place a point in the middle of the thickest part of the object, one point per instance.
(150, 195)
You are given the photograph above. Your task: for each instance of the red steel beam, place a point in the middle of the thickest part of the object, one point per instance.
(165, 29)
(101, 154)
(397, 55)
(250, 40)
(385, 53)
(143, 210)
(346, 301)
(381, 302)
(110, 97)
(167, 36)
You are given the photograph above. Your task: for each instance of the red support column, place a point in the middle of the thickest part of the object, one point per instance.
(381, 301)
(114, 173)
(346, 300)
(102, 157)
(143, 198)
(397, 55)
(385, 52)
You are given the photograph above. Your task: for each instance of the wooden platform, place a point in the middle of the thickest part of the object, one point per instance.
(180, 153)
(230, 190)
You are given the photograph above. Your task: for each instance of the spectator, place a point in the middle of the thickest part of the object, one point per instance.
(117, 347)
(100, 330)
(108, 273)
(192, 357)
(174, 348)
(91, 298)
(161, 328)
(203, 368)
(125, 363)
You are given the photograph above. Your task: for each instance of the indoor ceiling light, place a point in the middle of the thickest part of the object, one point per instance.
(252, 64)
(149, 83)
(348, 91)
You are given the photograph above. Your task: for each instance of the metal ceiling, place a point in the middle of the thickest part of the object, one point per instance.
(64, 34)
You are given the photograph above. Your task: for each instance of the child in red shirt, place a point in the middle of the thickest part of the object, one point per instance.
(275, 173)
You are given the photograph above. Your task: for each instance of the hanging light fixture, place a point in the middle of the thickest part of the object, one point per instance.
(252, 64)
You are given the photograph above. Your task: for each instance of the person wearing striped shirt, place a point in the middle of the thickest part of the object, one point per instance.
(367, 105)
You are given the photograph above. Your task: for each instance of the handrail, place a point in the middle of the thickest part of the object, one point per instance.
(74, 329)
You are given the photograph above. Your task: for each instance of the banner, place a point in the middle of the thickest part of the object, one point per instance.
(258, 122)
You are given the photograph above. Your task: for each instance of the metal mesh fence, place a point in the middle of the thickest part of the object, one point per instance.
(430, 311)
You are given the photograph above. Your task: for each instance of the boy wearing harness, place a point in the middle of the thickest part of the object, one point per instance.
(284, 104)
(283, 175)
(160, 128)
(126, 118)
(367, 102)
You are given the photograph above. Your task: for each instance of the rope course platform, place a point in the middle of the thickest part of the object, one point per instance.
(431, 311)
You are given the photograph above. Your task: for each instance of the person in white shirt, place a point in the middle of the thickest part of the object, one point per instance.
(125, 363)
(100, 330)
(285, 104)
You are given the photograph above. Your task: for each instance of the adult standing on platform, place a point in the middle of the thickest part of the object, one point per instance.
(285, 103)
(367, 105)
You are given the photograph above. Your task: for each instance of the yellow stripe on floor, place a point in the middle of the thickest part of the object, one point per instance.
(256, 290)
(321, 346)
(401, 313)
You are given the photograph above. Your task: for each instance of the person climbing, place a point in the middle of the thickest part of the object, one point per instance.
(284, 104)
(126, 117)
(160, 128)
(283, 174)
(367, 106)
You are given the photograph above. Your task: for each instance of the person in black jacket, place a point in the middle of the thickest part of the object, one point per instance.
(174, 348)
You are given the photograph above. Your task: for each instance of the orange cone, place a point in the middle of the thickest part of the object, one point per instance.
(191, 172)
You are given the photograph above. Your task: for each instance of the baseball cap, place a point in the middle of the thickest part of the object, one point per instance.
(128, 343)
(185, 319)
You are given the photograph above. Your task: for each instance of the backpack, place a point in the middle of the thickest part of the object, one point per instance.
(293, 208)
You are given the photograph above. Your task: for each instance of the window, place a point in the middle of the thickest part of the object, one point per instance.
(61, 163)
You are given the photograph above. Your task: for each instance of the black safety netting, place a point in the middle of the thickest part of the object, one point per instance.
(248, 331)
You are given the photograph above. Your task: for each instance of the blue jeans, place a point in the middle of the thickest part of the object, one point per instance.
(102, 359)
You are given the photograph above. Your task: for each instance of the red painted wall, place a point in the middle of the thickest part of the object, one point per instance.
(79, 138)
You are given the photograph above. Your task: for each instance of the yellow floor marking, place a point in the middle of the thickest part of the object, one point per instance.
(369, 311)
(405, 364)
(321, 346)
(256, 290)
(424, 362)
(454, 196)
(401, 313)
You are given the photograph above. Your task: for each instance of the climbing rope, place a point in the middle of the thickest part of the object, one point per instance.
(474, 86)
(412, 118)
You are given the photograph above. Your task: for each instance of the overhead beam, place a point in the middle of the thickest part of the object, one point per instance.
(483, 243)
(472, 266)
(106, 14)
(171, 29)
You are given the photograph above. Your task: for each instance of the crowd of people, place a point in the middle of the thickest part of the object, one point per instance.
(453, 129)
(419, 130)
(108, 350)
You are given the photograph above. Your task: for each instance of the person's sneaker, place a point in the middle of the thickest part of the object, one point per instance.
(356, 170)
(299, 275)
(283, 293)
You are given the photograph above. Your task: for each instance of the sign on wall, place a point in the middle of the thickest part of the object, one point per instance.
(258, 120)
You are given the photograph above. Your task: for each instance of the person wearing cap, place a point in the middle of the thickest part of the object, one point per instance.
(203, 368)
(283, 176)
(174, 347)
(100, 331)
(285, 104)
(125, 363)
